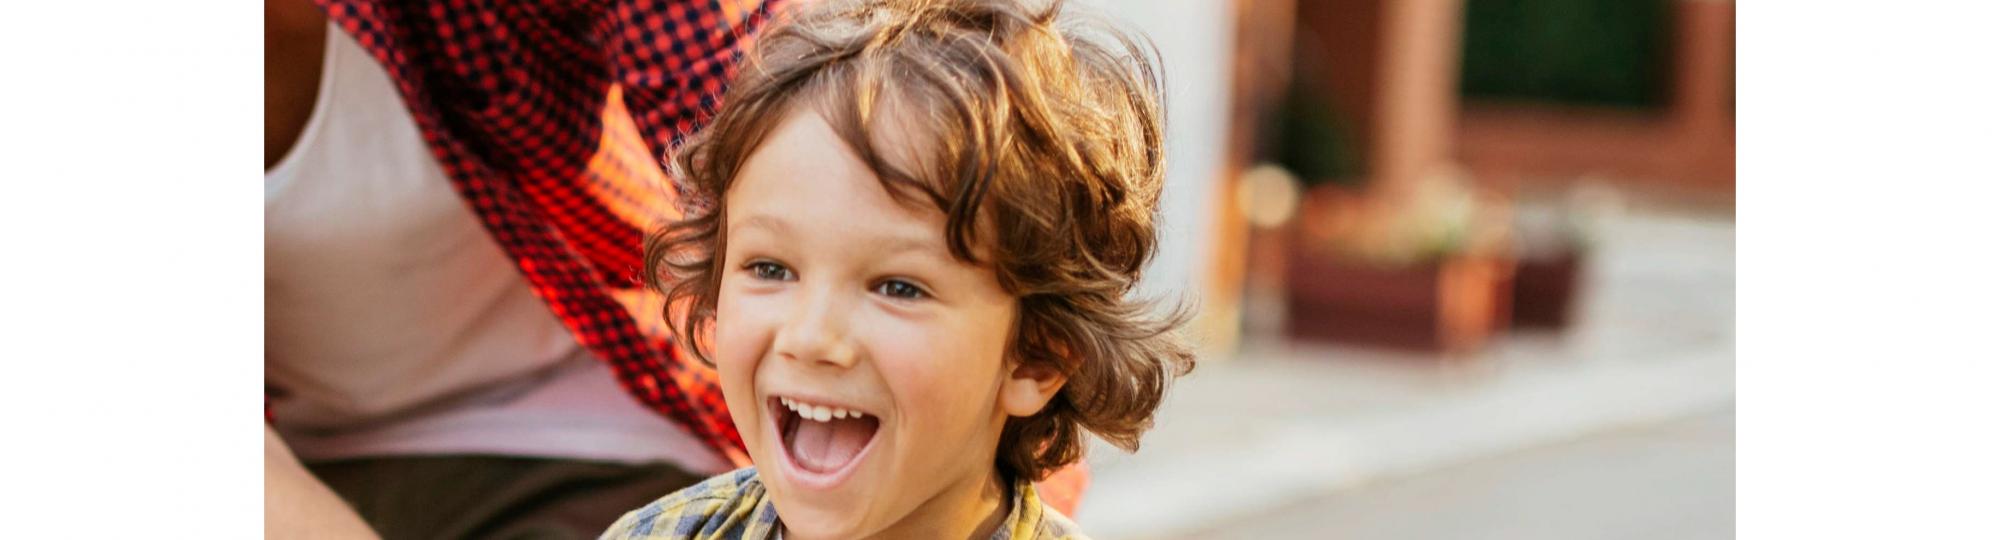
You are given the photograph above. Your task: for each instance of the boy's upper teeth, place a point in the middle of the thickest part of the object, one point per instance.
(818, 413)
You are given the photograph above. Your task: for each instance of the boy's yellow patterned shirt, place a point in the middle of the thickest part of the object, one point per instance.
(735, 506)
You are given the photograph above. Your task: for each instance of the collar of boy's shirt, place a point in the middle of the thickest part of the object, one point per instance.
(1024, 517)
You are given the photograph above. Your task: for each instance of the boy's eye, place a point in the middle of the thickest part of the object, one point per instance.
(769, 271)
(897, 288)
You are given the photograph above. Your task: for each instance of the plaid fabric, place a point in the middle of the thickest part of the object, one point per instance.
(735, 506)
(522, 103)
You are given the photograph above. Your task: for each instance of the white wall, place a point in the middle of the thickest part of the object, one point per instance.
(1194, 41)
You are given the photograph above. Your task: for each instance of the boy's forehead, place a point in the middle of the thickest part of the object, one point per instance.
(900, 134)
(823, 139)
(892, 122)
(805, 168)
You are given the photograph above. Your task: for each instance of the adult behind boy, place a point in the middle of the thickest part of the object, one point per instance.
(909, 375)
(453, 198)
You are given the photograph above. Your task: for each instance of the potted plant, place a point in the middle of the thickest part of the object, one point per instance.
(1424, 268)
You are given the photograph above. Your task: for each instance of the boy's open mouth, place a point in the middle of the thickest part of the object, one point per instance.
(822, 439)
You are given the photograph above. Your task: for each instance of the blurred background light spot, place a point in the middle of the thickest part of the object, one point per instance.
(1268, 195)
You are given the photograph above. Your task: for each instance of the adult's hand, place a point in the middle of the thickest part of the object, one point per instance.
(297, 505)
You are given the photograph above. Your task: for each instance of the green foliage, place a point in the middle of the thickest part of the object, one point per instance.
(1588, 52)
(1314, 140)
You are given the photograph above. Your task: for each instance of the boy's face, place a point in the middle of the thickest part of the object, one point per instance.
(834, 295)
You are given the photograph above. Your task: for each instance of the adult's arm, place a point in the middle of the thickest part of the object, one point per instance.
(298, 505)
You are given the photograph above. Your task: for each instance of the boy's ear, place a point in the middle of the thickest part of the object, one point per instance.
(1029, 387)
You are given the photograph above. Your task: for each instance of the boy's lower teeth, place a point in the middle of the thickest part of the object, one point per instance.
(827, 446)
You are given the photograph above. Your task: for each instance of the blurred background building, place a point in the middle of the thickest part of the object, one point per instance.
(1465, 269)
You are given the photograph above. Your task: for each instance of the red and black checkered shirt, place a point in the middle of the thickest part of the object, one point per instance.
(524, 104)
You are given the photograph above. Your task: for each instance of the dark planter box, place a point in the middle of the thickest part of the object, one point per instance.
(1451, 305)
(1545, 290)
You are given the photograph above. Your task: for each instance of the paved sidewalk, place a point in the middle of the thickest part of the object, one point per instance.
(1670, 481)
(1283, 423)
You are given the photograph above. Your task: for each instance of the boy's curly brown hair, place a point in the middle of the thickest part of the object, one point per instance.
(1041, 135)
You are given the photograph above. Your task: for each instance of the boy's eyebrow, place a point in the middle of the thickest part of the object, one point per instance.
(920, 244)
(760, 221)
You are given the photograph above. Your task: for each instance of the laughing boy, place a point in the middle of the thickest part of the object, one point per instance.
(911, 234)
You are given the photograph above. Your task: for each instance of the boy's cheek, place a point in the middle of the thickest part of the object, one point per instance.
(934, 377)
(732, 330)
(732, 347)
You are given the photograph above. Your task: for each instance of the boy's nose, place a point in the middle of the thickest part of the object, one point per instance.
(817, 332)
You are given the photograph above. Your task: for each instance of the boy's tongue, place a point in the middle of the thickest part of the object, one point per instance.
(826, 446)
